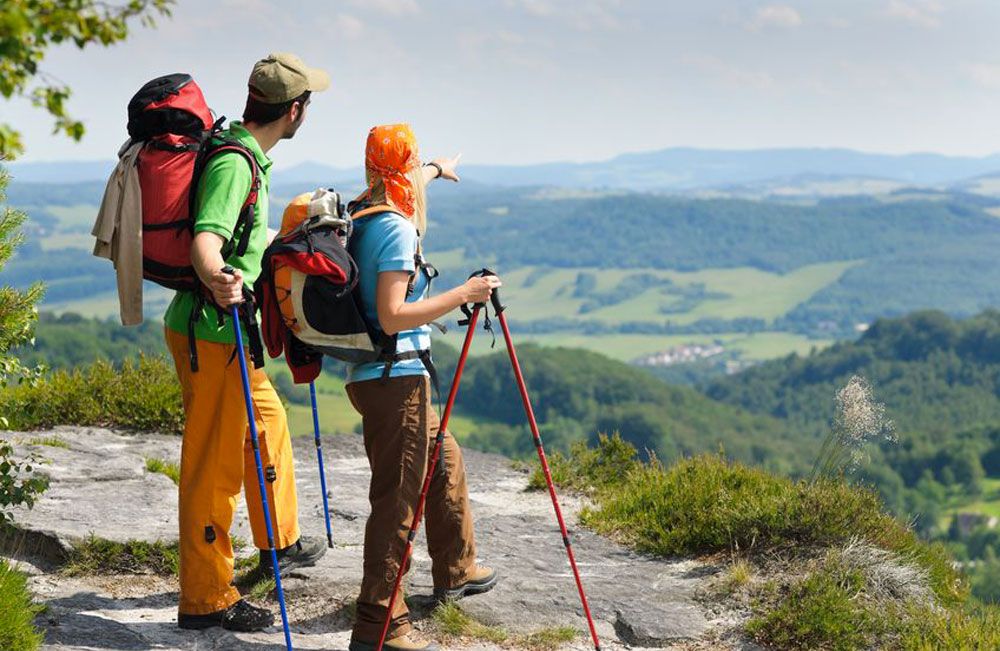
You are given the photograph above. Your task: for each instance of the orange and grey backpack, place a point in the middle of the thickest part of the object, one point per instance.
(308, 292)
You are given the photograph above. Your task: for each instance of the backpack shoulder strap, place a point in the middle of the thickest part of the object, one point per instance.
(368, 211)
(214, 146)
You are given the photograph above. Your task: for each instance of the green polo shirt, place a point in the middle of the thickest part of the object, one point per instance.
(223, 188)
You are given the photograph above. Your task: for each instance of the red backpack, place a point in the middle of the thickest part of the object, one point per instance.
(170, 116)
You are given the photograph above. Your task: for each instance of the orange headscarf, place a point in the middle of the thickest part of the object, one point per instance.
(391, 152)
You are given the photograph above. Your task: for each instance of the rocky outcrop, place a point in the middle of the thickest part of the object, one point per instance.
(99, 485)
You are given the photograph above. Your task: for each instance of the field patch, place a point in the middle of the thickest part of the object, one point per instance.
(616, 296)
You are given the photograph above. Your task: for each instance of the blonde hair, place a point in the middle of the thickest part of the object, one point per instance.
(419, 185)
(376, 195)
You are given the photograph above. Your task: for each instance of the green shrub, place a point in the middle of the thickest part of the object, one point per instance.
(823, 611)
(141, 395)
(930, 630)
(17, 632)
(19, 485)
(836, 608)
(588, 469)
(706, 504)
(99, 556)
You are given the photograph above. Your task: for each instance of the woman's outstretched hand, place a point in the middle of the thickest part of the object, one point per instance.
(479, 288)
(448, 166)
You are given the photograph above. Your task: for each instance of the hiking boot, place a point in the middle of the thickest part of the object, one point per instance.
(302, 553)
(482, 579)
(241, 616)
(401, 643)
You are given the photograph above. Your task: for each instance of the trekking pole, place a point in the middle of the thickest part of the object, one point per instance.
(430, 471)
(322, 471)
(499, 309)
(245, 376)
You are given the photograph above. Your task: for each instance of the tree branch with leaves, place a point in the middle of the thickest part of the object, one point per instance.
(30, 28)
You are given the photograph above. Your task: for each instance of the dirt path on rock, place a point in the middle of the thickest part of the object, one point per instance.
(100, 485)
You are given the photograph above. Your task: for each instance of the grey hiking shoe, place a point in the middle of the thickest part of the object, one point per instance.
(482, 579)
(302, 553)
(241, 616)
(401, 643)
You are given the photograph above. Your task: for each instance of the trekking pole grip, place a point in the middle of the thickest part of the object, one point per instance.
(498, 307)
(229, 270)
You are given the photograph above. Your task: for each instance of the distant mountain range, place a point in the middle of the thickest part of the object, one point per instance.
(668, 170)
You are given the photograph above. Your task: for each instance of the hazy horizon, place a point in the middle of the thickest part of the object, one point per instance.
(281, 164)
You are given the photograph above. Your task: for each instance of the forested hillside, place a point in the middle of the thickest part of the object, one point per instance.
(836, 262)
(577, 394)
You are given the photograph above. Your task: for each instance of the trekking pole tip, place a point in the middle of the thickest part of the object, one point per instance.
(329, 540)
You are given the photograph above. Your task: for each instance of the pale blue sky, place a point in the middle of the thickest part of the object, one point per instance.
(509, 81)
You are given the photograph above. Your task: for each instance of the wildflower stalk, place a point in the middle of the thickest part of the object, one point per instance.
(859, 418)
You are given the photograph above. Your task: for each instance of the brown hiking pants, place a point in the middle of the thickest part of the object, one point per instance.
(400, 425)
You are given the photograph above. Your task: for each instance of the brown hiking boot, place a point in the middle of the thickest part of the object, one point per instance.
(401, 643)
(481, 579)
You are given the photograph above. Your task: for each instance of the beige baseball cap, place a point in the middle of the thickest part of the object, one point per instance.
(281, 77)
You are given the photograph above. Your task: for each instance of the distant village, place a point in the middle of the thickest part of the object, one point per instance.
(683, 354)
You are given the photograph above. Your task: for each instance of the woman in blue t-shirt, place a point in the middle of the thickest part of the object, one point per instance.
(395, 403)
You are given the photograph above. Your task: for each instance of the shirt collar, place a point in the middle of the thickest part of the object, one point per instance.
(240, 133)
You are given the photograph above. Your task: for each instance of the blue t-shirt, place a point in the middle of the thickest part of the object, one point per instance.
(387, 242)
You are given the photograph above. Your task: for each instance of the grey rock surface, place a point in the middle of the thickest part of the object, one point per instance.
(100, 486)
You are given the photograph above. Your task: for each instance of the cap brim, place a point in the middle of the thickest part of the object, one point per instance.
(318, 80)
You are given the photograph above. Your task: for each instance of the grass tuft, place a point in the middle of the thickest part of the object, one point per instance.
(547, 638)
(49, 441)
(450, 620)
(738, 574)
(17, 612)
(260, 590)
(163, 467)
(99, 556)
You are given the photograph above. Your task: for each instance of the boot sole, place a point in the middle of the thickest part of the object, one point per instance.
(197, 625)
(371, 646)
(201, 625)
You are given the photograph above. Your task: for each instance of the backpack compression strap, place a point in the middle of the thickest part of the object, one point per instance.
(246, 218)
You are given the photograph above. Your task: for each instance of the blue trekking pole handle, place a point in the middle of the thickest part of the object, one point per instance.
(322, 470)
(255, 442)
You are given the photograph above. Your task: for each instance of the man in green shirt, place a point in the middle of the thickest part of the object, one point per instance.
(216, 457)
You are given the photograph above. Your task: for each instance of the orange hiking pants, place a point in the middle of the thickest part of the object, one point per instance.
(217, 461)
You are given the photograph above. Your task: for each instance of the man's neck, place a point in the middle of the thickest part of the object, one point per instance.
(267, 135)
